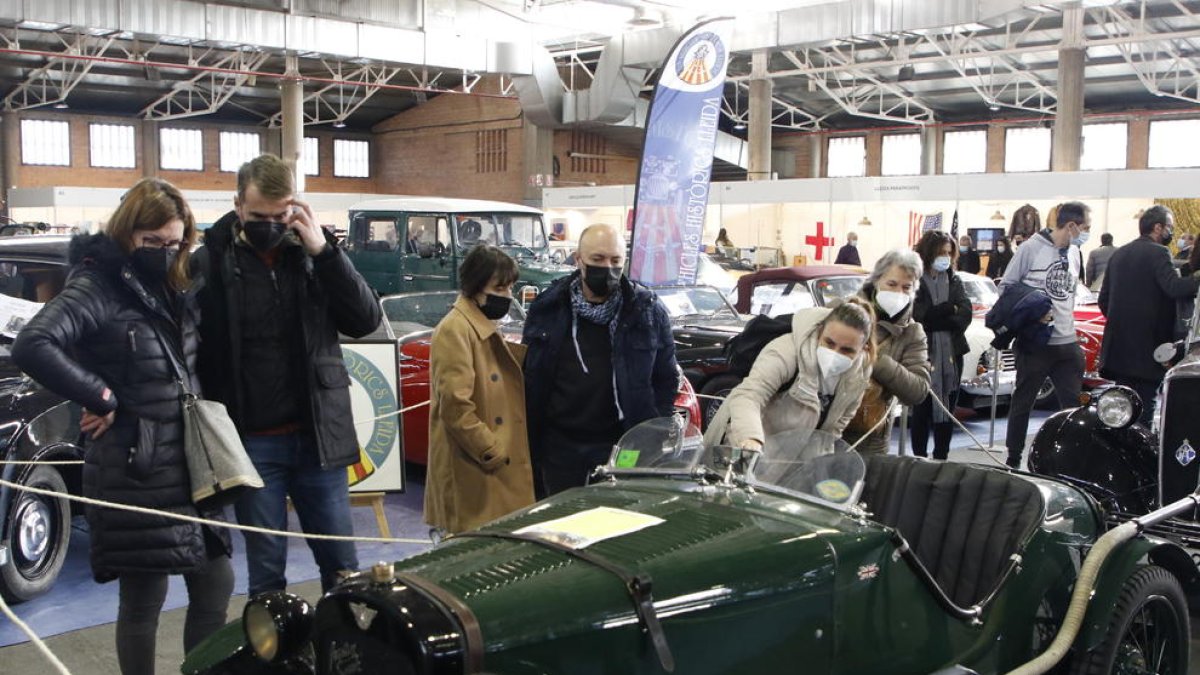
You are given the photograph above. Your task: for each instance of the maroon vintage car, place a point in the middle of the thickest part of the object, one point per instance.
(783, 290)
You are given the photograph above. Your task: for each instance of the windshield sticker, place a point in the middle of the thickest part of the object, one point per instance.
(833, 490)
(677, 304)
(628, 459)
(580, 530)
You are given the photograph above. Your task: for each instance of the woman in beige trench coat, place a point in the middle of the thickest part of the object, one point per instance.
(479, 465)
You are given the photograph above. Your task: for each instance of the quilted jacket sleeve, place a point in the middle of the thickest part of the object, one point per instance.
(907, 375)
(353, 305)
(775, 366)
(42, 349)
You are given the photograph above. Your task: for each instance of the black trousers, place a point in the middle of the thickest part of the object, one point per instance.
(567, 462)
(922, 423)
(1147, 390)
(141, 600)
(1064, 365)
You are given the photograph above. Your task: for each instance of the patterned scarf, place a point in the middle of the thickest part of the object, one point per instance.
(601, 314)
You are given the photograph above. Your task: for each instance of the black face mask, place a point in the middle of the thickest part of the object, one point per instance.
(496, 306)
(263, 235)
(601, 281)
(1168, 237)
(154, 264)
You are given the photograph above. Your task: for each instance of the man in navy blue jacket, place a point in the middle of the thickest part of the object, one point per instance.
(601, 359)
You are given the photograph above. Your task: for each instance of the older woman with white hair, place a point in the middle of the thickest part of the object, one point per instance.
(902, 352)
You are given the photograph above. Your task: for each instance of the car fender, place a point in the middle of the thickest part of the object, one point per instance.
(1119, 566)
(50, 436)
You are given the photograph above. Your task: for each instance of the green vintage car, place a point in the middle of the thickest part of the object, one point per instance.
(417, 243)
(806, 559)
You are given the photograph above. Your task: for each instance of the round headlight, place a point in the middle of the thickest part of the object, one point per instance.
(1118, 407)
(277, 625)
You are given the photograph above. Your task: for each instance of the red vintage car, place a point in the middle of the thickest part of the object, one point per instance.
(409, 319)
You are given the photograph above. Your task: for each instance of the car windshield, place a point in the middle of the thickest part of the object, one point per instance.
(519, 234)
(780, 297)
(810, 464)
(981, 290)
(835, 288)
(413, 312)
(685, 303)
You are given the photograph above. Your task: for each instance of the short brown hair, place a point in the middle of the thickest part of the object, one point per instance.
(270, 173)
(481, 264)
(150, 204)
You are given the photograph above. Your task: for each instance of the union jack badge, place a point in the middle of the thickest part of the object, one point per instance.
(1185, 454)
(868, 572)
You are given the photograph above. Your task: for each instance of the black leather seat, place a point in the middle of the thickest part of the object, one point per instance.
(963, 522)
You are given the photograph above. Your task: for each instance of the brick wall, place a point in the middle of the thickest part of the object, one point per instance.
(81, 174)
(581, 171)
(435, 149)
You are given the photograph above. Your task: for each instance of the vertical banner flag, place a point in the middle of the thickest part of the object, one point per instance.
(677, 156)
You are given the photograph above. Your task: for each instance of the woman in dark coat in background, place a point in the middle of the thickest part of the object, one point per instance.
(944, 310)
(998, 259)
(107, 342)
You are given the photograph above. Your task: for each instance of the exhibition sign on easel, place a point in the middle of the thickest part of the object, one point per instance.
(375, 407)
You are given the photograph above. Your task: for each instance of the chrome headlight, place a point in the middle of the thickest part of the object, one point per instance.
(1118, 407)
(277, 625)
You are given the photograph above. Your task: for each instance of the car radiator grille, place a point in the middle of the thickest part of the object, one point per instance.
(1008, 360)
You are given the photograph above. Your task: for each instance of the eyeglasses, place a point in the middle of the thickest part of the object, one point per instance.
(158, 242)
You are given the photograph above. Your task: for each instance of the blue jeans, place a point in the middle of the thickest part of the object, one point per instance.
(289, 466)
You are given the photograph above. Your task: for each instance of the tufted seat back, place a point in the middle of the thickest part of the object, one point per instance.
(962, 522)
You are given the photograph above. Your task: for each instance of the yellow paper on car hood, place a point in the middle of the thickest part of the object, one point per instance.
(580, 530)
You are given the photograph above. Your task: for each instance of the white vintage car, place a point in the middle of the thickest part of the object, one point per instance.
(977, 377)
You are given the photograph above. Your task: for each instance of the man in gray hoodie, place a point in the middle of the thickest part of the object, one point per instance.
(1049, 262)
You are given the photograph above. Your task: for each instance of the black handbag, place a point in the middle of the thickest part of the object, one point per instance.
(219, 469)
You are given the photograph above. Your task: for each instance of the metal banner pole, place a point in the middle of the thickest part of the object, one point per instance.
(903, 430)
(996, 367)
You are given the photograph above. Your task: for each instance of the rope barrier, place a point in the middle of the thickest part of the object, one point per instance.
(205, 521)
(401, 411)
(35, 462)
(33, 637)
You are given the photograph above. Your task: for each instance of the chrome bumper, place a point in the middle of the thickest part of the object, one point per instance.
(982, 384)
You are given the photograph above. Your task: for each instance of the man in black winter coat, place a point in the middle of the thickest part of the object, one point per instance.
(601, 359)
(277, 291)
(1138, 299)
(968, 257)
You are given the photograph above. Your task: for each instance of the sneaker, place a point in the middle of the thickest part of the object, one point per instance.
(1013, 461)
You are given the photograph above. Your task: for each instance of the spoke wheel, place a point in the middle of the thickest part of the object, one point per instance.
(1148, 632)
(720, 386)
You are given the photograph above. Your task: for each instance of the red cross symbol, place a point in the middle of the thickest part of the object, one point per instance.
(820, 240)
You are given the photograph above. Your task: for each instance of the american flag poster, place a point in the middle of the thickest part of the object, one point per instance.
(919, 223)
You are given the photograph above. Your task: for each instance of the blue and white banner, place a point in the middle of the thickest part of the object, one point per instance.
(677, 157)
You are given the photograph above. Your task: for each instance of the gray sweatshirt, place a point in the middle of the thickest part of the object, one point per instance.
(1042, 265)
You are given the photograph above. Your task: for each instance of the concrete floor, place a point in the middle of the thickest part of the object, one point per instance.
(90, 651)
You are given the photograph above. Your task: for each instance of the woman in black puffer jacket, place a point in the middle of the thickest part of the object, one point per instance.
(100, 343)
